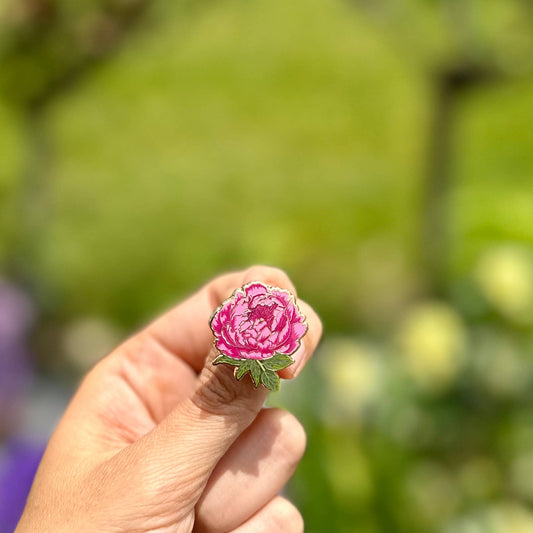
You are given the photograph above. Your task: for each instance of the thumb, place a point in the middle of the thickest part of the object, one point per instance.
(178, 456)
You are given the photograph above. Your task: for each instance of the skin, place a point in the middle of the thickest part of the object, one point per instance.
(157, 439)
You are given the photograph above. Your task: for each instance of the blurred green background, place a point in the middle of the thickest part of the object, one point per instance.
(380, 151)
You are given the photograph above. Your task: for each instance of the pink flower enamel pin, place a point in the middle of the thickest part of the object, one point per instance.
(257, 330)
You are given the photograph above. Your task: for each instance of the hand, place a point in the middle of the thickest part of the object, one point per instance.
(158, 439)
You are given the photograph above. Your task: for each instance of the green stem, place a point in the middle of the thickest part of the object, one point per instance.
(261, 365)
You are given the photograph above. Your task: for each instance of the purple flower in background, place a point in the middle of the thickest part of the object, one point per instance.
(18, 458)
(16, 318)
(18, 463)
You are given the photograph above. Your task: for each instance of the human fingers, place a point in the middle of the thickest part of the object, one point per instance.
(203, 426)
(134, 388)
(278, 516)
(256, 468)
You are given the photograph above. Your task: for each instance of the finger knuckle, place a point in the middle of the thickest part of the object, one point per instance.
(292, 438)
(220, 394)
(268, 274)
(216, 390)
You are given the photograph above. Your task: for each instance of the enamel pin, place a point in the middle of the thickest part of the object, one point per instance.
(257, 329)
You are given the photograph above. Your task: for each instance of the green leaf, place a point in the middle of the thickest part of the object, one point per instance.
(278, 362)
(255, 372)
(270, 380)
(228, 360)
(243, 368)
(260, 371)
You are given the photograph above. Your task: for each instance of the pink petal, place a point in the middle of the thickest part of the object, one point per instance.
(228, 334)
(298, 330)
(283, 332)
(267, 347)
(236, 321)
(265, 333)
(245, 325)
(238, 296)
(241, 339)
(239, 308)
(274, 338)
(230, 351)
(280, 324)
(221, 317)
(293, 341)
(251, 354)
(255, 289)
(285, 299)
(288, 348)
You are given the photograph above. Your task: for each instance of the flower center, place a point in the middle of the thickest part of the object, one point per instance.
(265, 312)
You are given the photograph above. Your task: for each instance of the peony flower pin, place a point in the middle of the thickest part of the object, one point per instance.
(257, 329)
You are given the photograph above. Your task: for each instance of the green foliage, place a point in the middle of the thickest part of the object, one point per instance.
(227, 360)
(243, 368)
(270, 380)
(46, 44)
(263, 371)
(255, 373)
(278, 362)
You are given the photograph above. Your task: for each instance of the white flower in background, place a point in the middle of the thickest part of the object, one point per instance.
(508, 517)
(354, 374)
(87, 340)
(496, 360)
(432, 341)
(512, 519)
(466, 525)
(505, 277)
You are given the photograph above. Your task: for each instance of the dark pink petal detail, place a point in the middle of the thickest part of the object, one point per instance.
(298, 330)
(264, 335)
(239, 295)
(255, 289)
(284, 333)
(275, 338)
(252, 354)
(236, 321)
(245, 325)
(232, 337)
(288, 348)
(221, 317)
(239, 308)
(241, 339)
(230, 351)
(285, 298)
